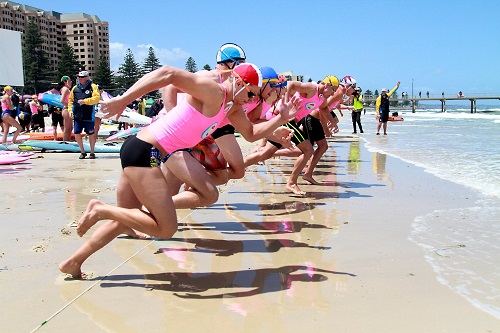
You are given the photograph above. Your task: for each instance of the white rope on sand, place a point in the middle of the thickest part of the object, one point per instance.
(228, 185)
(104, 277)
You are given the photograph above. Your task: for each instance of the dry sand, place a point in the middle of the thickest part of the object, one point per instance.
(259, 260)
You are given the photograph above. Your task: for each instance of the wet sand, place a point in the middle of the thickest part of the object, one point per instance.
(259, 260)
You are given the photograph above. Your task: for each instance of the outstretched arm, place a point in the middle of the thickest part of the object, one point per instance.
(253, 132)
(200, 88)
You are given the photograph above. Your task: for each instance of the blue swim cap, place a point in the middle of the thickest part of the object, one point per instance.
(230, 52)
(268, 74)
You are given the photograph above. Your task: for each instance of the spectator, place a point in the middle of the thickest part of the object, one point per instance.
(67, 121)
(357, 104)
(82, 98)
(8, 116)
(37, 119)
(154, 109)
(382, 108)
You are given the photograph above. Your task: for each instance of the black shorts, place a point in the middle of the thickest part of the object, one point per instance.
(224, 130)
(384, 117)
(277, 145)
(57, 119)
(313, 129)
(137, 153)
(298, 135)
(37, 120)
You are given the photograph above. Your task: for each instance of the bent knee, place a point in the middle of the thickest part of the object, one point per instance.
(167, 233)
(238, 173)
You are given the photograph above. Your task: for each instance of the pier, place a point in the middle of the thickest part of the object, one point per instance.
(442, 99)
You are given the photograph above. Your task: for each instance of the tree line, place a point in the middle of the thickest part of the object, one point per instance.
(39, 77)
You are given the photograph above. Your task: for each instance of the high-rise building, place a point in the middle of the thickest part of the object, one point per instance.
(87, 34)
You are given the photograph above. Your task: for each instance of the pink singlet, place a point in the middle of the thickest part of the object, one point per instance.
(34, 109)
(5, 106)
(308, 104)
(184, 126)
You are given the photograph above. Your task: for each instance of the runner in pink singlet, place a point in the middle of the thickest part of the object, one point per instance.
(142, 185)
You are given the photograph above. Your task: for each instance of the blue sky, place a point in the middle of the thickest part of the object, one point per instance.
(441, 45)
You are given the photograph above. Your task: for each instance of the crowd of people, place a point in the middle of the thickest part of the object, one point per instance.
(191, 144)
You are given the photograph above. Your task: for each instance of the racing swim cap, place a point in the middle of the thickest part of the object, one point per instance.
(269, 75)
(347, 80)
(230, 52)
(249, 73)
(332, 79)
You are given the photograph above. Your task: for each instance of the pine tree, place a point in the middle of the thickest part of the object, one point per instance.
(130, 71)
(103, 75)
(207, 67)
(35, 60)
(191, 65)
(151, 62)
(68, 63)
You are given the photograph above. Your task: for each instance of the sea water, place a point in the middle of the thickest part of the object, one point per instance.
(464, 148)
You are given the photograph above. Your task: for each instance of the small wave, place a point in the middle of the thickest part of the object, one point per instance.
(462, 246)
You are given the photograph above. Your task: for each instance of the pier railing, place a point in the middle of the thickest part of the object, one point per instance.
(414, 100)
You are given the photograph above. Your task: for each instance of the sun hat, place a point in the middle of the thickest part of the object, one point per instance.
(230, 52)
(249, 73)
(83, 74)
(332, 79)
(383, 89)
(64, 78)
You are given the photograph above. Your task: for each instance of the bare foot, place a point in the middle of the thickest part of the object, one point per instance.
(71, 268)
(295, 189)
(310, 180)
(90, 217)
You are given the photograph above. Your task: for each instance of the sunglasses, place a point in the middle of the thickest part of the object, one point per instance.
(250, 93)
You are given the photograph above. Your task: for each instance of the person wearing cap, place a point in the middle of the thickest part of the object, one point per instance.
(225, 141)
(65, 90)
(382, 108)
(82, 98)
(142, 183)
(313, 96)
(8, 115)
(229, 162)
(228, 56)
(316, 125)
(357, 107)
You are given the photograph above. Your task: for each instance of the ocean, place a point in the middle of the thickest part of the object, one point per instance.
(464, 148)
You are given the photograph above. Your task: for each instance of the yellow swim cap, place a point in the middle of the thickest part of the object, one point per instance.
(332, 80)
(7, 88)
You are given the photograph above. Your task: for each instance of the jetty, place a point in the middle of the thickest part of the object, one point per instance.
(443, 98)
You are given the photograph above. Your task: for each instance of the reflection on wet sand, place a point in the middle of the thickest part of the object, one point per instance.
(227, 248)
(194, 285)
(379, 168)
(261, 228)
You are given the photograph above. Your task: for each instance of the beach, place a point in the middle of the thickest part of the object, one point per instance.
(376, 248)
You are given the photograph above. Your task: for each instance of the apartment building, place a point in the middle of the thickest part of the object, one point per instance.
(87, 34)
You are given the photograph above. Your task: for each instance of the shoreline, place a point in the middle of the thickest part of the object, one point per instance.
(356, 228)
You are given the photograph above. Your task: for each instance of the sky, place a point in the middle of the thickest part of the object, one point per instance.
(436, 46)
